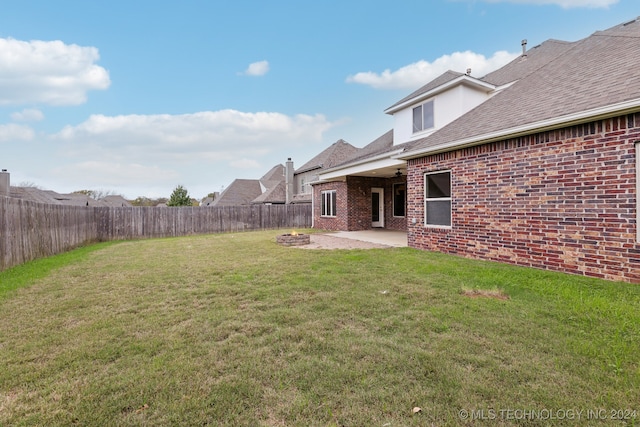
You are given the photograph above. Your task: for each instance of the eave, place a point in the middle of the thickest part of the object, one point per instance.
(581, 117)
(380, 165)
(464, 79)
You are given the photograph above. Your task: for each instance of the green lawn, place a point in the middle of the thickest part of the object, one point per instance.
(235, 330)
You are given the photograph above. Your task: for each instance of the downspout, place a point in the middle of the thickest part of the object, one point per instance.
(313, 210)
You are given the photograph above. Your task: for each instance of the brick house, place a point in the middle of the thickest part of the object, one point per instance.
(535, 164)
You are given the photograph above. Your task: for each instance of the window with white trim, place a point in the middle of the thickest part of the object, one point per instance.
(437, 198)
(328, 207)
(423, 117)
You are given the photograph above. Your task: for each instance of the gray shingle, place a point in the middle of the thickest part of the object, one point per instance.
(335, 154)
(598, 71)
(446, 77)
(239, 192)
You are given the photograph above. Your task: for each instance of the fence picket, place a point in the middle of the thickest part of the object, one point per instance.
(30, 230)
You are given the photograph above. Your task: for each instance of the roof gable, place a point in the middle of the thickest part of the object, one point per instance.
(444, 78)
(273, 177)
(239, 192)
(593, 73)
(336, 153)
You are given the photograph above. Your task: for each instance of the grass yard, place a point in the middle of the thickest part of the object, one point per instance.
(235, 330)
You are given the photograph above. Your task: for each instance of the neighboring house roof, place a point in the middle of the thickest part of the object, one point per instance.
(335, 154)
(594, 77)
(239, 192)
(275, 194)
(268, 189)
(115, 201)
(73, 199)
(273, 177)
(302, 198)
(380, 145)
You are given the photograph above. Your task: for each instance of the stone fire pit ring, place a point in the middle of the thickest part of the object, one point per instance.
(293, 239)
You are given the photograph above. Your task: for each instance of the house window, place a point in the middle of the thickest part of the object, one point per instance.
(437, 198)
(423, 117)
(399, 199)
(328, 203)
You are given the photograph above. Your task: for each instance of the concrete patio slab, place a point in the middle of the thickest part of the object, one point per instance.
(379, 236)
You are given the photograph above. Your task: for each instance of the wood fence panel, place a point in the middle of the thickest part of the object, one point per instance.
(30, 230)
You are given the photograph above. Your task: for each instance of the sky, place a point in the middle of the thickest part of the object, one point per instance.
(137, 97)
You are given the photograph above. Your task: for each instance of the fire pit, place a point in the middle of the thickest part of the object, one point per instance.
(293, 239)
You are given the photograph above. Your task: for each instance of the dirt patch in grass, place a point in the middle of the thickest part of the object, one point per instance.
(485, 293)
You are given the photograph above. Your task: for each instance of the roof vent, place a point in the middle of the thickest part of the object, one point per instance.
(524, 47)
(468, 71)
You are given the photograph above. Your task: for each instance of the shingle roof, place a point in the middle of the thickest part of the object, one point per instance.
(335, 154)
(115, 201)
(446, 77)
(596, 72)
(73, 199)
(380, 145)
(522, 66)
(239, 192)
(275, 194)
(273, 177)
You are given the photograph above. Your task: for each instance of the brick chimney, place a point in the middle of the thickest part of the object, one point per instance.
(4, 183)
(288, 180)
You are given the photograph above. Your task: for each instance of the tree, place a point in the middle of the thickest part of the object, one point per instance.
(179, 197)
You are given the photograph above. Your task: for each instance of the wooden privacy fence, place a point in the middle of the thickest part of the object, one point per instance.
(30, 230)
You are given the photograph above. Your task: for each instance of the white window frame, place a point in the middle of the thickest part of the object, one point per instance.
(328, 202)
(422, 126)
(437, 199)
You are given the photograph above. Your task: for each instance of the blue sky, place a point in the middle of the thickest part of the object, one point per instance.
(137, 97)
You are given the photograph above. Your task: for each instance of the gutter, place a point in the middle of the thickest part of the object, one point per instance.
(621, 108)
(387, 155)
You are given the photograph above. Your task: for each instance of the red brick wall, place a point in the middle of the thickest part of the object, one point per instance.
(339, 222)
(354, 204)
(560, 200)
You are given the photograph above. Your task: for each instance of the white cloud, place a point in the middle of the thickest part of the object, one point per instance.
(259, 68)
(14, 132)
(96, 173)
(27, 115)
(419, 73)
(213, 136)
(203, 133)
(566, 4)
(48, 72)
(150, 154)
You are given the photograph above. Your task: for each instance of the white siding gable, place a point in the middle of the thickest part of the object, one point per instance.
(448, 106)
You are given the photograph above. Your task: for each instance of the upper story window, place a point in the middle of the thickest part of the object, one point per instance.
(423, 117)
